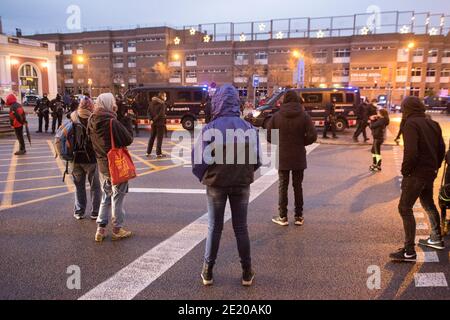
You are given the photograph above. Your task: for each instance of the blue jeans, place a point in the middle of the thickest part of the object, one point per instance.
(112, 200)
(79, 173)
(217, 199)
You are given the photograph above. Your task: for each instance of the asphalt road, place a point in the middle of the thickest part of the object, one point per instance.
(352, 225)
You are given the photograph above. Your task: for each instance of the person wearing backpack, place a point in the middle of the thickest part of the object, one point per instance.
(296, 130)
(102, 122)
(84, 164)
(18, 120)
(57, 109)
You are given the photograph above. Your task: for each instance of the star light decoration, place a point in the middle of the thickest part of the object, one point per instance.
(279, 35)
(177, 41)
(404, 29)
(365, 31)
(262, 27)
(433, 32)
(206, 38)
(192, 31)
(320, 34)
(243, 37)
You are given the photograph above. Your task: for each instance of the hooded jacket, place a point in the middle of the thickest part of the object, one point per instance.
(296, 130)
(379, 128)
(209, 156)
(99, 133)
(17, 115)
(424, 145)
(157, 112)
(43, 106)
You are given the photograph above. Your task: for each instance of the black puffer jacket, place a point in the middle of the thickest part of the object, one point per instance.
(99, 133)
(379, 128)
(296, 130)
(424, 147)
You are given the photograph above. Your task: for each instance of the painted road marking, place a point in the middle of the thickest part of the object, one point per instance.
(427, 280)
(167, 191)
(427, 257)
(9, 187)
(134, 278)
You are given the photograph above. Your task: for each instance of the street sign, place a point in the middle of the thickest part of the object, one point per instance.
(255, 81)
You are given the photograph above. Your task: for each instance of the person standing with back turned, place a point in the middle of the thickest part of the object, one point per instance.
(157, 117)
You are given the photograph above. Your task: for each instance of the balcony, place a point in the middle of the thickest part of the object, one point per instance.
(191, 80)
(175, 64)
(341, 60)
(68, 81)
(132, 80)
(240, 80)
(118, 65)
(131, 49)
(430, 79)
(132, 65)
(240, 62)
(67, 52)
(80, 66)
(80, 51)
(117, 50)
(445, 79)
(416, 79)
(432, 59)
(191, 63)
(446, 60)
(340, 79)
(261, 61)
(418, 59)
(68, 67)
(319, 60)
(401, 79)
(318, 79)
(175, 80)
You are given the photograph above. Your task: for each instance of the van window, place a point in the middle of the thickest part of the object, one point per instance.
(350, 98)
(338, 97)
(312, 97)
(198, 96)
(142, 99)
(184, 96)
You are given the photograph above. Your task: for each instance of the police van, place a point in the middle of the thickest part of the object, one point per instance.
(315, 100)
(185, 105)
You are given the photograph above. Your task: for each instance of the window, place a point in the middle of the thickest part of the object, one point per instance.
(345, 72)
(431, 72)
(67, 47)
(433, 53)
(320, 54)
(67, 61)
(191, 74)
(28, 71)
(142, 102)
(132, 59)
(117, 44)
(261, 56)
(337, 97)
(445, 72)
(118, 59)
(446, 53)
(350, 98)
(418, 52)
(402, 71)
(184, 96)
(198, 96)
(191, 57)
(341, 53)
(312, 97)
(241, 56)
(415, 91)
(132, 44)
(416, 72)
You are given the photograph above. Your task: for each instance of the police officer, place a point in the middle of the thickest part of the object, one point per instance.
(57, 108)
(330, 119)
(42, 109)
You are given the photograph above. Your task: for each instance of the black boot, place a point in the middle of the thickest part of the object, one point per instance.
(207, 275)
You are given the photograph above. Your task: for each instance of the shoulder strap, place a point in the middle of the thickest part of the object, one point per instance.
(113, 145)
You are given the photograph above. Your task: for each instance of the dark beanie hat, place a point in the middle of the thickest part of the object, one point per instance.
(291, 96)
(412, 105)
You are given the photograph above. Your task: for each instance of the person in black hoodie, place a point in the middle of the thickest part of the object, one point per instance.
(423, 156)
(84, 164)
(57, 108)
(113, 195)
(362, 117)
(43, 111)
(157, 117)
(330, 119)
(378, 124)
(296, 130)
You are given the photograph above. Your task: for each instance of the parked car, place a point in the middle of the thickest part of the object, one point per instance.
(438, 103)
(315, 100)
(31, 100)
(185, 105)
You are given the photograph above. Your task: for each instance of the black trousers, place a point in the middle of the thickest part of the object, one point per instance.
(157, 134)
(414, 188)
(297, 181)
(56, 118)
(362, 126)
(19, 136)
(329, 126)
(44, 117)
(376, 151)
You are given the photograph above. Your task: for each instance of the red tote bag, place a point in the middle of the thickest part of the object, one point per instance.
(121, 166)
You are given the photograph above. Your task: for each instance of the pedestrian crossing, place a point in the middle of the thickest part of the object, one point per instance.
(421, 280)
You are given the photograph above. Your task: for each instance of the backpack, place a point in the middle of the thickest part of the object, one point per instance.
(81, 140)
(64, 144)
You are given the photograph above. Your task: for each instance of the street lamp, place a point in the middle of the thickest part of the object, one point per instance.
(177, 57)
(299, 73)
(81, 60)
(408, 49)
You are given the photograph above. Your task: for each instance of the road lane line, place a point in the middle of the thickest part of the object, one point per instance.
(32, 170)
(137, 276)
(430, 280)
(168, 191)
(33, 189)
(9, 187)
(18, 205)
(31, 179)
(27, 164)
(427, 257)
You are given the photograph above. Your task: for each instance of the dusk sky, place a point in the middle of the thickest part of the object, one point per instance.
(50, 15)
